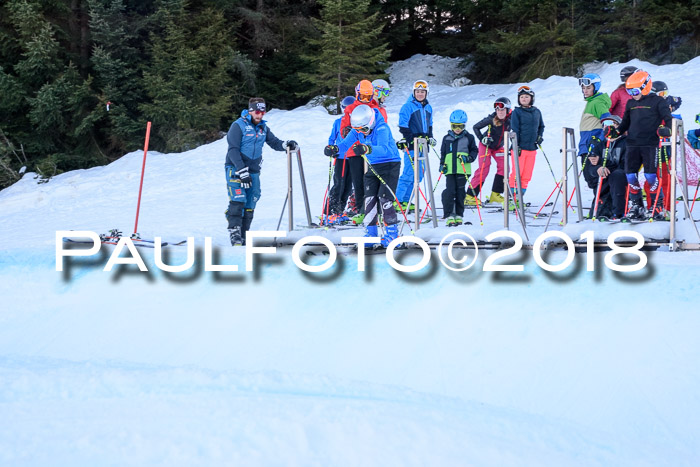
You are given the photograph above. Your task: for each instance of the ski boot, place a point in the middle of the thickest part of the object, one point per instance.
(451, 221)
(372, 231)
(470, 200)
(660, 214)
(235, 236)
(637, 211)
(458, 220)
(496, 198)
(391, 232)
(357, 220)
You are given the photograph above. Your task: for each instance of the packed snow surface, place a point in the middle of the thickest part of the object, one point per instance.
(282, 367)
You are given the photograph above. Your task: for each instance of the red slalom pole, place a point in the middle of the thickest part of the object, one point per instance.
(143, 170)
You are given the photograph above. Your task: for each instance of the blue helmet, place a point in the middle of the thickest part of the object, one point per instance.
(458, 116)
(588, 79)
(347, 101)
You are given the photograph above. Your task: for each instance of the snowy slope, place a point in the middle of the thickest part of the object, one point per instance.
(343, 368)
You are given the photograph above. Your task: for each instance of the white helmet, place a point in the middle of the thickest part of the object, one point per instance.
(381, 88)
(421, 84)
(362, 118)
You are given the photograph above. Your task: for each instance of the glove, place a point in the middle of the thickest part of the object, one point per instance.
(432, 142)
(344, 132)
(486, 140)
(611, 132)
(402, 144)
(443, 168)
(331, 150)
(291, 144)
(244, 177)
(674, 102)
(664, 132)
(362, 149)
(539, 140)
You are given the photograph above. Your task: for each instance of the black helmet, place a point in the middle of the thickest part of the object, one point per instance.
(658, 86)
(626, 72)
(526, 90)
(502, 102)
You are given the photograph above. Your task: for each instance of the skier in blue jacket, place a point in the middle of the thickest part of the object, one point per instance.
(246, 137)
(376, 145)
(342, 183)
(415, 120)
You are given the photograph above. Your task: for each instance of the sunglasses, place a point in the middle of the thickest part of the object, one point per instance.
(457, 126)
(261, 112)
(499, 106)
(366, 98)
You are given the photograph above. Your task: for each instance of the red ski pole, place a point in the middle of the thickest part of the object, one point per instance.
(143, 170)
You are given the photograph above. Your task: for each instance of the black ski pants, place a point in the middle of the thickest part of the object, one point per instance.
(377, 194)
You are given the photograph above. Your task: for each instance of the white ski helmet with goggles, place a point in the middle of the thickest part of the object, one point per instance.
(362, 118)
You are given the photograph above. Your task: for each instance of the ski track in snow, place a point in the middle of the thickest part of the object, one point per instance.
(122, 368)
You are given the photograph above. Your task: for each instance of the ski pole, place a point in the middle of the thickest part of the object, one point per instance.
(478, 209)
(143, 170)
(658, 180)
(695, 195)
(600, 179)
(627, 199)
(381, 180)
(326, 202)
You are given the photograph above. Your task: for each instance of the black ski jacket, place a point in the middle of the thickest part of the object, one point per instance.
(642, 119)
(496, 131)
(614, 161)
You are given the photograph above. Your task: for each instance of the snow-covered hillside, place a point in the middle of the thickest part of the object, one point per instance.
(342, 368)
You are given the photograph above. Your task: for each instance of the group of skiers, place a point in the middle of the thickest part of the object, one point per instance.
(618, 136)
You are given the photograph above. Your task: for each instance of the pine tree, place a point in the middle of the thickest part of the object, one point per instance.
(348, 50)
(193, 78)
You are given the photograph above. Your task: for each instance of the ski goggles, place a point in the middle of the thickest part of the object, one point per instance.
(609, 122)
(527, 90)
(457, 126)
(259, 107)
(365, 98)
(420, 85)
(634, 91)
(382, 92)
(697, 119)
(585, 81)
(500, 106)
(662, 93)
(362, 129)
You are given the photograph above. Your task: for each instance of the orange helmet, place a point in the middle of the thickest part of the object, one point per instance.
(364, 91)
(638, 83)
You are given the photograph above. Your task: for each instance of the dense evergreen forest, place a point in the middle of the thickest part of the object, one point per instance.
(80, 78)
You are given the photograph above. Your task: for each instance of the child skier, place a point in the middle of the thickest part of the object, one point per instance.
(381, 91)
(342, 184)
(694, 135)
(596, 109)
(606, 163)
(371, 140)
(457, 153)
(490, 145)
(526, 121)
(643, 119)
(619, 97)
(415, 120)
